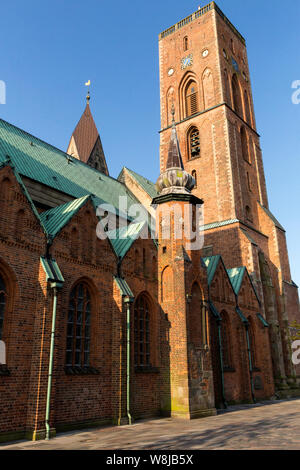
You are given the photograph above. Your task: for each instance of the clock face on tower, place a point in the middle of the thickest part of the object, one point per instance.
(187, 61)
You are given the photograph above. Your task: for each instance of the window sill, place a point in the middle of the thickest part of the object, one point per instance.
(146, 370)
(4, 371)
(76, 370)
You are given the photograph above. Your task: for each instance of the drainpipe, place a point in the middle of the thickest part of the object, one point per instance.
(250, 363)
(128, 301)
(219, 323)
(54, 287)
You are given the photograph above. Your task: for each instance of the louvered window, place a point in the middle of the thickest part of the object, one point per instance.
(191, 100)
(78, 327)
(142, 332)
(194, 143)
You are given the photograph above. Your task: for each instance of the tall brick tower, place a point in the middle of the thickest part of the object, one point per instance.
(204, 72)
(183, 293)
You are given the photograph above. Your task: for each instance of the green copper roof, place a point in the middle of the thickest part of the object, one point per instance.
(46, 164)
(55, 219)
(236, 276)
(124, 287)
(52, 271)
(147, 185)
(223, 223)
(211, 262)
(123, 238)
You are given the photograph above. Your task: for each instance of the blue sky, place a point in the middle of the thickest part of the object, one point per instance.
(50, 48)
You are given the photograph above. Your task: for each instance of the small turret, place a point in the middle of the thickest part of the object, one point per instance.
(174, 179)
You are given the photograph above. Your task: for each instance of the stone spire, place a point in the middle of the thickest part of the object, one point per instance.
(174, 154)
(85, 143)
(174, 179)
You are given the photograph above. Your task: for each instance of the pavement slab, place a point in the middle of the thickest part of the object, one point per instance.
(266, 426)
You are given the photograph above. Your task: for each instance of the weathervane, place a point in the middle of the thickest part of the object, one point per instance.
(88, 96)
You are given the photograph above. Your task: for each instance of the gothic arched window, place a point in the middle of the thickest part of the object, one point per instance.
(249, 214)
(2, 304)
(227, 88)
(142, 331)
(236, 92)
(185, 43)
(193, 143)
(191, 99)
(247, 108)
(245, 147)
(197, 323)
(194, 175)
(78, 327)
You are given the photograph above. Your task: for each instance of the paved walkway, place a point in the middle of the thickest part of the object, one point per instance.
(274, 425)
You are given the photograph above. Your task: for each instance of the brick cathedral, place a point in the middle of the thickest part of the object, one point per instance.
(108, 330)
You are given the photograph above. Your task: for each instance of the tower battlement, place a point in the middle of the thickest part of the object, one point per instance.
(194, 16)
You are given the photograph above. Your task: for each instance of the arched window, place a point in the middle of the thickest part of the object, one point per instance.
(249, 182)
(232, 46)
(249, 214)
(78, 327)
(193, 143)
(208, 89)
(167, 284)
(247, 108)
(227, 96)
(244, 143)
(194, 175)
(236, 92)
(252, 343)
(197, 318)
(226, 341)
(191, 99)
(142, 331)
(2, 304)
(185, 43)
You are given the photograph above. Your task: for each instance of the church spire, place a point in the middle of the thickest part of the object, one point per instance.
(174, 154)
(85, 143)
(174, 179)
